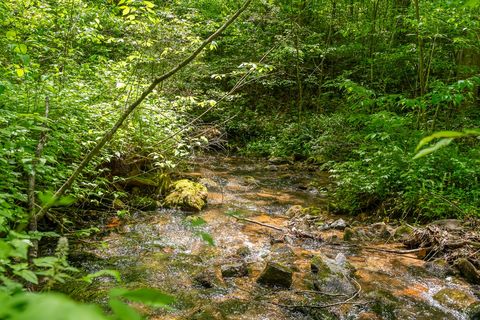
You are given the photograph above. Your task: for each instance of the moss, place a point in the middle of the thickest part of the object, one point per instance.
(144, 203)
(187, 195)
(320, 268)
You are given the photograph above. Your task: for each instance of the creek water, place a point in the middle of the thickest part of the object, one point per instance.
(163, 250)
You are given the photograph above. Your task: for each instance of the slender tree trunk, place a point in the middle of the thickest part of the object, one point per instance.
(32, 180)
(109, 134)
(421, 59)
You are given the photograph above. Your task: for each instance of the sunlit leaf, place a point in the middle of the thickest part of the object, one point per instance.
(437, 135)
(20, 72)
(11, 35)
(440, 144)
(27, 275)
(123, 311)
(207, 238)
(102, 273)
(148, 296)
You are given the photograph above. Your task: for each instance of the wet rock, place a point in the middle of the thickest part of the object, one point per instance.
(207, 313)
(348, 234)
(331, 275)
(238, 269)
(243, 251)
(278, 160)
(448, 224)
(438, 268)
(271, 168)
(187, 195)
(294, 211)
(367, 316)
(283, 254)
(209, 183)
(381, 230)
(383, 304)
(473, 311)
(276, 275)
(318, 266)
(468, 271)
(402, 232)
(454, 299)
(208, 279)
(339, 224)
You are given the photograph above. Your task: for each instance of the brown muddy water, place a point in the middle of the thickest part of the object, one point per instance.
(163, 250)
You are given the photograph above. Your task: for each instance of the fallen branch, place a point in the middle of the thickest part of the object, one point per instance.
(296, 233)
(109, 134)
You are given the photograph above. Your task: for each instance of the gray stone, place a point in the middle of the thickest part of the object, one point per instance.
(339, 224)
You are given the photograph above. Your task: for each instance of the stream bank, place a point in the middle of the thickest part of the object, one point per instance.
(257, 272)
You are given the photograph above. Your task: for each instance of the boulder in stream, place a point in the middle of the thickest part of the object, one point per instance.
(332, 275)
(339, 224)
(454, 298)
(210, 278)
(187, 195)
(468, 271)
(276, 275)
(235, 269)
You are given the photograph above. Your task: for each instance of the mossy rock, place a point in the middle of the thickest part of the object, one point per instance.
(276, 275)
(187, 195)
(402, 232)
(320, 268)
(454, 298)
(468, 271)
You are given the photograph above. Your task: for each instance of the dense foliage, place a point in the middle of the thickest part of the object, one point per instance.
(351, 86)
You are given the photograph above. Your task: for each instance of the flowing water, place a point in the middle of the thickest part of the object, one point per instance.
(163, 250)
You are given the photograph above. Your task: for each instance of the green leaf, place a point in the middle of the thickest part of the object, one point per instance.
(52, 307)
(20, 72)
(148, 296)
(45, 262)
(123, 311)
(21, 48)
(196, 221)
(11, 35)
(46, 198)
(27, 275)
(65, 201)
(437, 135)
(440, 144)
(472, 3)
(112, 273)
(207, 238)
(2, 88)
(148, 4)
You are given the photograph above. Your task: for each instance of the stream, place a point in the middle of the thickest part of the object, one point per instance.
(164, 250)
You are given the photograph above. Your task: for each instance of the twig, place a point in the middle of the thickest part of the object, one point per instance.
(323, 306)
(260, 223)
